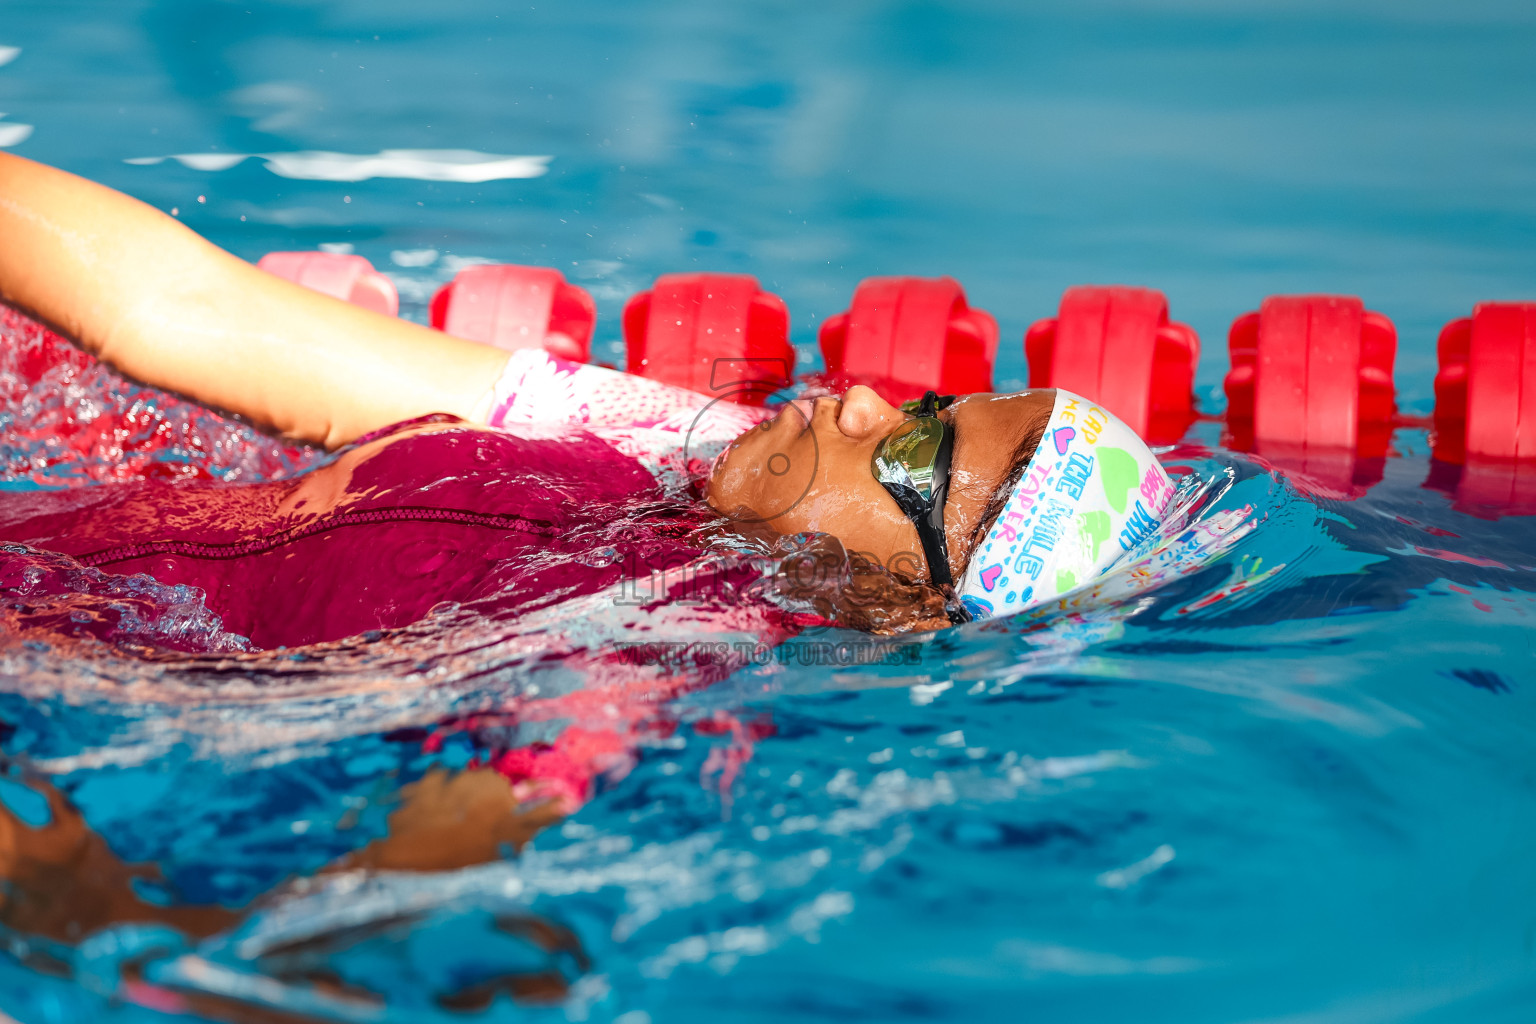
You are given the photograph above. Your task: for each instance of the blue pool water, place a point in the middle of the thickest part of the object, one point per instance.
(1308, 800)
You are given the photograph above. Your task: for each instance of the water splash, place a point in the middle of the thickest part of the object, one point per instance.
(68, 420)
(51, 599)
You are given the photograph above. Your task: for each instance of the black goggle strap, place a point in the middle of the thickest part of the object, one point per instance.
(929, 404)
(935, 545)
(928, 516)
(929, 520)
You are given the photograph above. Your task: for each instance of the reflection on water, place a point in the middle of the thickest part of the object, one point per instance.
(12, 133)
(463, 165)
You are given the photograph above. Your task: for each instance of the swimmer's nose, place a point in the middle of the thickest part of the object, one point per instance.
(865, 414)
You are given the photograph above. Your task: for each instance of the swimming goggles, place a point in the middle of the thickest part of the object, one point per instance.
(912, 464)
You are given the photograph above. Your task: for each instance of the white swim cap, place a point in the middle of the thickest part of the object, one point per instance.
(1092, 491)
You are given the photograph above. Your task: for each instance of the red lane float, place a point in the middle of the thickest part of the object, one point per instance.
(1312, 371)
(514, 307)
(1310, 388)
(1485, 391)
(905, 335)
(1485, 407)
(1116, 346)
(717, 334)
(345, 277)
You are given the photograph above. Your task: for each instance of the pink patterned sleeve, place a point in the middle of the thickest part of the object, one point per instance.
(674, 432)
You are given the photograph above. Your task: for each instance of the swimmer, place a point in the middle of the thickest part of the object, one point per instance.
(976, 506)
(466, 474)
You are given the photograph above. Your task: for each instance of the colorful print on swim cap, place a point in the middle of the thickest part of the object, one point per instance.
(1094, 527)
(1092, 492)
(1062, 438)
(978, 607)
(1119, 474)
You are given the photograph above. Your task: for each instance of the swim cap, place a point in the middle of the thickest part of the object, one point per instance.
(1092, 491)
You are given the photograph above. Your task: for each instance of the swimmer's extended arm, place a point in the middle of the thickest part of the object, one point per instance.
(149, 296)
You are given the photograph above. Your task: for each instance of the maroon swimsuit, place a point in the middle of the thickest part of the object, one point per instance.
(418, 514)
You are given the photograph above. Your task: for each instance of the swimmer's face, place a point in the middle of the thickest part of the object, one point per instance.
(808, 469)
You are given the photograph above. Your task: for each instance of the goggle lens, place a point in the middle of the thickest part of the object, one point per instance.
(909, 455)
